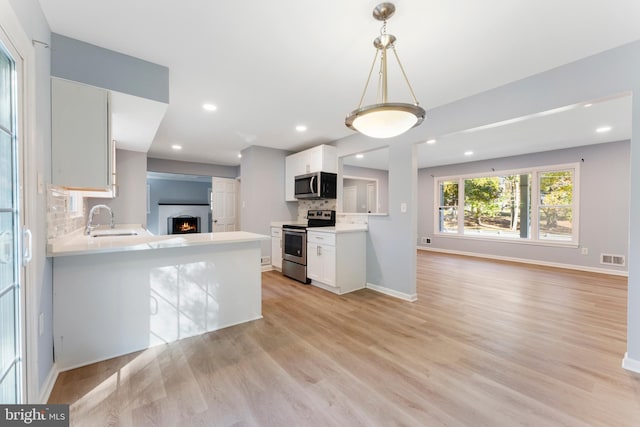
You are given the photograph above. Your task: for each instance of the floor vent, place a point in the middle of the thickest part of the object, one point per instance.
(610, 259)
(265, 260)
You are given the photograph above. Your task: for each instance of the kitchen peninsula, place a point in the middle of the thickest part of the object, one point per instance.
(116, 294)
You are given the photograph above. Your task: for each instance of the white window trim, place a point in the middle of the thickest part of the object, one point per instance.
(535, 172)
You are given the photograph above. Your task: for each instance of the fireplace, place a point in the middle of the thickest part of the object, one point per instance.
(183, 224)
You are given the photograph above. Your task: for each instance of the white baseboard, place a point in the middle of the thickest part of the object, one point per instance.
(528, 261)
(629, 364)
(393, 292)
(47, 387)
(267, 268)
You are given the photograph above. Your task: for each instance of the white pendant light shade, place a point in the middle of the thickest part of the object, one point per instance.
(385, 120)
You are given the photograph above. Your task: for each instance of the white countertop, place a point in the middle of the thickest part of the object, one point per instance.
(278, 224)
(78, 243)
(340, 228)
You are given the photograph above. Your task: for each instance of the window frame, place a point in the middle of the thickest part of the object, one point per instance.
(533, 239)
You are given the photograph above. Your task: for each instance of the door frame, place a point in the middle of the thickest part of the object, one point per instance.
(19, 43)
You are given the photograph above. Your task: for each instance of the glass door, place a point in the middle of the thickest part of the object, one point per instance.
(10, 334)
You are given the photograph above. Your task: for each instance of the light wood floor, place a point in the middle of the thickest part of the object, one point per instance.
(487, 344)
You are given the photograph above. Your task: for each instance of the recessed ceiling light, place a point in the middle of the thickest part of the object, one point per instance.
(431, 141)
(239, 155)
(209, 107)
(588, 105)
(468, 153)
(603, 129)
(301, 128)
(359, 156)
(176, 147)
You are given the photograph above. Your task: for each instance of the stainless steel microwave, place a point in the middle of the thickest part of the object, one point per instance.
(316, 185)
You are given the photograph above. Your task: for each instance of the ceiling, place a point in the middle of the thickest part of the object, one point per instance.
(270, 66)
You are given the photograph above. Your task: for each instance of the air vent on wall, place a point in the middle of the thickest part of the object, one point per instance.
(265, 260)
(610, 259)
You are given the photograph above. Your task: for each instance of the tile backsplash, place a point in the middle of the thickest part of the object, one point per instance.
(306, 205)
(65, 212)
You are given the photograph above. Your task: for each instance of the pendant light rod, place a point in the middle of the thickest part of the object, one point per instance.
(364, 92)
(406, 79)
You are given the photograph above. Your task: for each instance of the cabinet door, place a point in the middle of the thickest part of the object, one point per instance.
(314, 262)
(328, 257)
(276, 252)
(81, 155)
(290, 172)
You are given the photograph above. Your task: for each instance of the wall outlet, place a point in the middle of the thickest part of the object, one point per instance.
(265, 260)
(403, 207)
(584, 251)
(425, 240)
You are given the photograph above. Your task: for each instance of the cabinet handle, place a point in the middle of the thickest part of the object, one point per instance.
(154, 310)
(319, 250)
(27, 253)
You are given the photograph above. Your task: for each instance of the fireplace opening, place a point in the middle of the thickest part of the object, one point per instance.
(183, 224)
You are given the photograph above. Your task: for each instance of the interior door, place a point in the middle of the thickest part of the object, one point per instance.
(349, 199)
(372, 200)
(11, 360)
(223, 204)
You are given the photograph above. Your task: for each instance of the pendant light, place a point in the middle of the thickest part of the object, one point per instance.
(385, 119)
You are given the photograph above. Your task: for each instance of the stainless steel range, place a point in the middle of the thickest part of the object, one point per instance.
(294, 243)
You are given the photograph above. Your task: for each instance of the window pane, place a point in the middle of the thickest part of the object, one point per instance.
(8, 330)
(556, 223)
(6, 67)
(6, 171)
(556, 188)
(497, 206)
(448, 209)
(8, 395)
(556, 213)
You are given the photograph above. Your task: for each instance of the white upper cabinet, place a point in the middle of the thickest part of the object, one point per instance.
(82, 152)
(322, 158)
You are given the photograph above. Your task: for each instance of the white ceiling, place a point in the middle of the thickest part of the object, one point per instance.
(269, 66)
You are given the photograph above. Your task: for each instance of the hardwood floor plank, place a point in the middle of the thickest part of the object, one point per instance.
(488, 343)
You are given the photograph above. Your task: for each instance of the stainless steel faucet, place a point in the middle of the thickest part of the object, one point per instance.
(93, 210)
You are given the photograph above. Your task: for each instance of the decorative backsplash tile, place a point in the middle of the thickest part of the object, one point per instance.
(352, 218)
(65, 212)
(307, 205)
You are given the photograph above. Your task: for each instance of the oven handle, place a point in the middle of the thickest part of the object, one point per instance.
(293, 231)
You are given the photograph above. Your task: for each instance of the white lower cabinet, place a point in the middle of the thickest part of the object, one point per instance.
(276, 247)
(337, 262)
(321, 263)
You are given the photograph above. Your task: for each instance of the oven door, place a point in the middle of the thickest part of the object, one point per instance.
(294, 246)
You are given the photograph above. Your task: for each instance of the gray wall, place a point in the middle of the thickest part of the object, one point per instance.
(174, 191)
(130, 206)
(262, 192)
(383, 182)
(191, 168)
(86, 63)
(613, 71)
(604, 205)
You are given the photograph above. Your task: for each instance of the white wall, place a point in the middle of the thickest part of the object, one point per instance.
(604, 206)
(130, 206)
(262, 192)
(192, 168)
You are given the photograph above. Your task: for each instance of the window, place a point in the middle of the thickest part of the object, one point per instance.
(534, 205)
